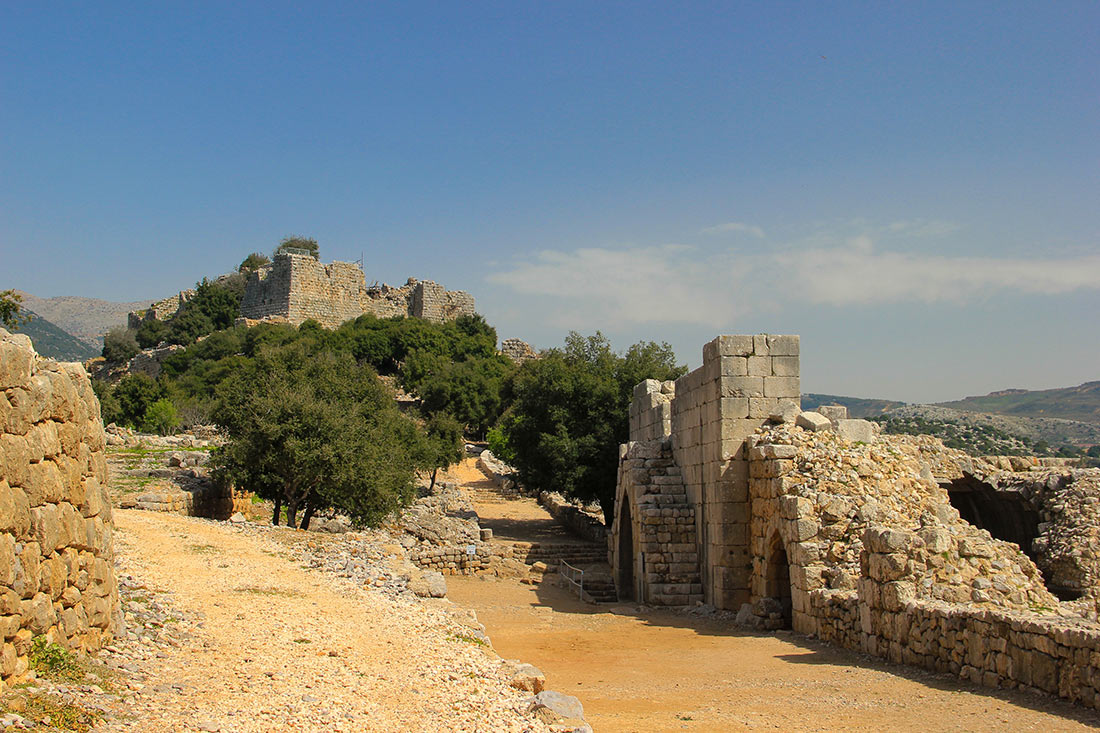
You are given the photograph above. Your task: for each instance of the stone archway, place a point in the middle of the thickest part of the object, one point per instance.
(777, 579)
(624, 579)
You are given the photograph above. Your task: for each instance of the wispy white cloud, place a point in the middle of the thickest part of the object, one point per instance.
(915, 228)
(734, 226)
(680, 284)
(622, 286)
(855, 273)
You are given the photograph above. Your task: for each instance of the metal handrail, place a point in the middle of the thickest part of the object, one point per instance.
(574, 576)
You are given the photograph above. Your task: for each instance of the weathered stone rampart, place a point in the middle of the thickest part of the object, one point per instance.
(295, 288)
(57, 577)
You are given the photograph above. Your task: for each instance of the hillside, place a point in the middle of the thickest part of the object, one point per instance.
(1081, 403)
(54, 342)
(85, 318)
(857, 406)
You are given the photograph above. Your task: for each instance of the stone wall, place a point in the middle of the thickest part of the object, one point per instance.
(517, 350)
(655, 547)
(743, 380)
(851, 544)
(161, 310)
(651, 410)
(57, 576)
(295, 288)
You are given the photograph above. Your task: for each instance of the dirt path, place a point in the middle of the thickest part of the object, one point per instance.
(659, 671)
(511, 517)
(282, 648)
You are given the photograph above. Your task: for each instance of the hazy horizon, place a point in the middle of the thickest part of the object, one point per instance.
(912, 189)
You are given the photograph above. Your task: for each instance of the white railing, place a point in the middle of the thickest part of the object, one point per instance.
(573, 576)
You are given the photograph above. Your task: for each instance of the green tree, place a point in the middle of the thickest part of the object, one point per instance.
(471, 391)
(120, 344)
(136, 393)
(12, 315)
(311, 429)
(214, 307)
(109, 408)
(444, 444)
(161, 417)
(570, 412)
(151, 333)
(295, 242)
(253, 262)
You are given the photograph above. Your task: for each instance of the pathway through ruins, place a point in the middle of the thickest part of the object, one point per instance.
(644, 670)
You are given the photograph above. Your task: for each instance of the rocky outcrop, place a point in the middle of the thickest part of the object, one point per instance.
(57, 576)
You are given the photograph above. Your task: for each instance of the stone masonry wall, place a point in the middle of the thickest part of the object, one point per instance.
(743, 380)
(296, 288)
(651, 410)
(57, 576)
(874, 558)
(665, 552)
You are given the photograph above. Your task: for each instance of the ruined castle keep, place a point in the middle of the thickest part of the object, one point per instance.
(57, 576)
(729, 494)
(295, 288)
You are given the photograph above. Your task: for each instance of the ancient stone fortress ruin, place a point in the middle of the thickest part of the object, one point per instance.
(894, 545)
(57, 577)
(297, 287)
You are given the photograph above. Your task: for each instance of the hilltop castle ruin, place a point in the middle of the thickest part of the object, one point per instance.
(294, 288)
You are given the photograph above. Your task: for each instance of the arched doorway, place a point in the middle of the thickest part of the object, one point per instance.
(777, 580)
(624, 581)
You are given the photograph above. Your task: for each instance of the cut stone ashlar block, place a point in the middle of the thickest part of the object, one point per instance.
(781, 387)
(814, 421)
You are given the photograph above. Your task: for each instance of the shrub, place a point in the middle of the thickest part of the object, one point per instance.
(120, 344)
(161, 417)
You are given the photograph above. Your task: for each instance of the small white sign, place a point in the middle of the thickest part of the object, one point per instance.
(471, 550)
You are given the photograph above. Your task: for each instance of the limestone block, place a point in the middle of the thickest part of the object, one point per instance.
(762, 407)
(38, 613)
(770, 451)
(856, 431)
(834, 412)
(783, 345)
(45, 526)
(786, 411)
(734, 407)
(16, 360)
(14, 510)
(760, 344)
(742, 387)
(734, 366)
(813, 421)
(782, 387)
(759, 366)
(43, 483)
(739, 345)
(18, 411)
(785, 366)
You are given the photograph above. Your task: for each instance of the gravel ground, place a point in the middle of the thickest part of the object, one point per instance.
(229, 629)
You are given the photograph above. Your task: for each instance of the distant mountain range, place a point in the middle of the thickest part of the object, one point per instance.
(1006, 421)
(87, 319)
(54, 342)
(1081, 403)
(857, 406)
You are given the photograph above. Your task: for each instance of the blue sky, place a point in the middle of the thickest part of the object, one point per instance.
(911, 187)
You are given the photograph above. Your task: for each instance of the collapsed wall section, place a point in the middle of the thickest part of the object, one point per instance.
(877, 560)
(57, 576)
